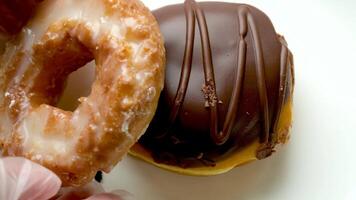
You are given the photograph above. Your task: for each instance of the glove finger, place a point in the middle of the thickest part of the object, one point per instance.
(22, 179)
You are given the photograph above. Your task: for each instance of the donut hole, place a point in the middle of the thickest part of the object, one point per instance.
(66, 72)
(78, 85)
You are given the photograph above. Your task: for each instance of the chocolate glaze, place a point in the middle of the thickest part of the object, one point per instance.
(235, 76)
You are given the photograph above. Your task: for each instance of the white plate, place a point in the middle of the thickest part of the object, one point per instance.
(320, 160)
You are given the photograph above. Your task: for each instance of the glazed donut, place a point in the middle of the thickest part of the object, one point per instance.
(123, 38)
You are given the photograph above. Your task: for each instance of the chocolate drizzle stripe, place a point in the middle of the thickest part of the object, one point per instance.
(210, 87)
(234, 102)
(261, 80)
(282, 86)
(187, 62)
(291, 66)
(241, 65)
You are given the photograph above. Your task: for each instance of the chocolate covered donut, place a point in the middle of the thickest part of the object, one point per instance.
(228, 91)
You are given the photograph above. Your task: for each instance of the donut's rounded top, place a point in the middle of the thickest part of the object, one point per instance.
(225, 84)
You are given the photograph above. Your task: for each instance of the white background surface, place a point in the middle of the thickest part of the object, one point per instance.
(320, 160)
(319, 163)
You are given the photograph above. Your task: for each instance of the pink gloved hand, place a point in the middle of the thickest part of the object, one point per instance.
(22, 179)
